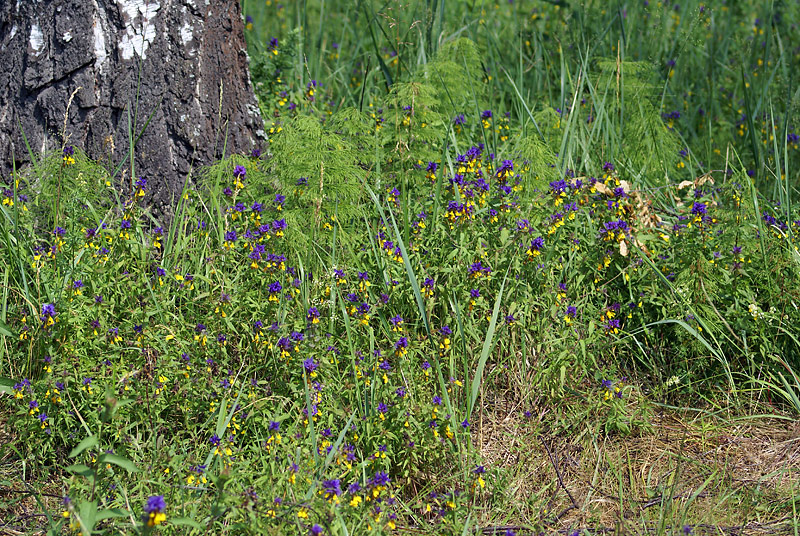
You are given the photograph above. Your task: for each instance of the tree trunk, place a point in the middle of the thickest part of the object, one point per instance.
(184, 61)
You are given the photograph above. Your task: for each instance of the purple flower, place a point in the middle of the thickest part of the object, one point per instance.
(381, 478)
(332, 487)
(48, 311)
(537, 244)
(477, 268)
(155, 505)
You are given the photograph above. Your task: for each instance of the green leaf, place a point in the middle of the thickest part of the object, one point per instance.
(487, 348)
(87, 516)
(6, 385)
(5, 331)
(87, 443)
(119, 461)
(113, 513)
(185, 522)
(81, 469)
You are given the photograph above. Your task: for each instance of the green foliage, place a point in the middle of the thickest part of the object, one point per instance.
(441, 261)
(541, 158)
(455, 72)
(330, 164)
(267, 62)
(414, 125)
(630, 98)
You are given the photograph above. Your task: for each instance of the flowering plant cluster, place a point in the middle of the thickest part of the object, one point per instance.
(310, 344)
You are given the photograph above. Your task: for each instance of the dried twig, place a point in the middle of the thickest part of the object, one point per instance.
(560, 481)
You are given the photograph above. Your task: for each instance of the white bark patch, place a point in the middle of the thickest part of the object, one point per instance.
(37, 39)
(140, 31)
(100, 53)
(67, 37)
(13, 32)
(186, 33)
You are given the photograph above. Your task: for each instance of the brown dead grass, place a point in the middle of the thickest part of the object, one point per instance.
(20, 513)
(718, 475)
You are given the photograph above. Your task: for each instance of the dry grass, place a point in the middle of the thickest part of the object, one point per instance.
(716, 474)
(20, 512)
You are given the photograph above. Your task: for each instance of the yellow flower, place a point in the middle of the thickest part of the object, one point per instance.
(156, 519)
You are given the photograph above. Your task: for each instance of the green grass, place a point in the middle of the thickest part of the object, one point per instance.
(574, 313)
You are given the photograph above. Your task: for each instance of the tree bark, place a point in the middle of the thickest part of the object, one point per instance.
(184, 61)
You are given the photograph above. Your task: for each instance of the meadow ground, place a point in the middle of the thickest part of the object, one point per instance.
(512, 268)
